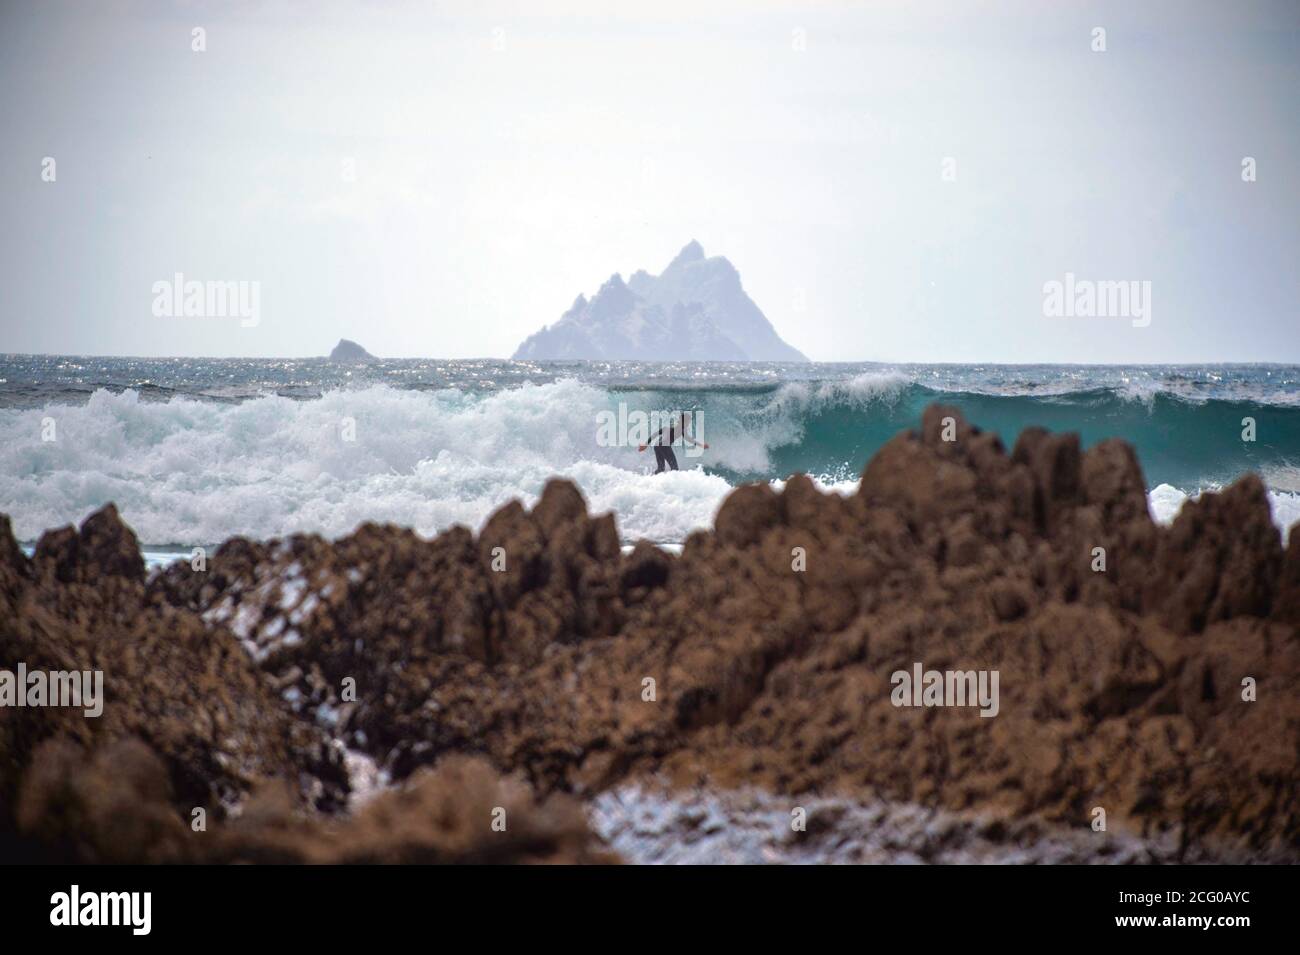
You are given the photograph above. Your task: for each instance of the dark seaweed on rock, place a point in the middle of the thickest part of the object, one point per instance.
(526, 648)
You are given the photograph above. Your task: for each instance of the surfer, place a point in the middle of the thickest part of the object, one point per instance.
(663, 440)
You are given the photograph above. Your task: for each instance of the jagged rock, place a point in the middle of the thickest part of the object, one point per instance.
(12, 557)
(561, 503)
(107, 546)
(169, 677)
(647, 568)
(1287, 605)
(1222, 557)
(746, 513)
(56, 553)
(761, 656)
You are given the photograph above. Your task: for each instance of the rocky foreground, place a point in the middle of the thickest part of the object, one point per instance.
(511, 671)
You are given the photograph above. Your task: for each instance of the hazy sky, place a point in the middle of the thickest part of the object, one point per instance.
(506, 157)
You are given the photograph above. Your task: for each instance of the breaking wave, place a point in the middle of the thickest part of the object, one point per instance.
(187, 471)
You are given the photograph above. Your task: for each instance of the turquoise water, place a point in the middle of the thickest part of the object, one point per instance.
(196, 450)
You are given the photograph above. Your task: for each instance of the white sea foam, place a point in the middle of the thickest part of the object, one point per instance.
(1164, 502)
(860, 390)
(186, 472)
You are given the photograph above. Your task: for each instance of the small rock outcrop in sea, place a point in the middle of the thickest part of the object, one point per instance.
(1158, 685)
(350, 351)
(696, 310)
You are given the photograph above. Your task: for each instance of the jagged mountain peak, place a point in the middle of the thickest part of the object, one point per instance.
(691, 252)
(696, 309)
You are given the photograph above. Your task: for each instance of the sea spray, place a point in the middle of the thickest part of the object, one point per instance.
(438, 443)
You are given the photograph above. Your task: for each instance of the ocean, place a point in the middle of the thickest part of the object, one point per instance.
(194, 451)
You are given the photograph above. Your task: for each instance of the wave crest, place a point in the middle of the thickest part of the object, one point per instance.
(190, 471)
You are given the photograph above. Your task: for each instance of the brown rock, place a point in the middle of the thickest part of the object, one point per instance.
(11, 555)
(108, 547)
(561, 503)
(1221, 558)
(746, 513)
(731, 665)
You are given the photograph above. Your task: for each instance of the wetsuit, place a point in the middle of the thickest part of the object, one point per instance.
(664, 457)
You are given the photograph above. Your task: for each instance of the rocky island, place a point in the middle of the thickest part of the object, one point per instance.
(695, 310)
(349, 351)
